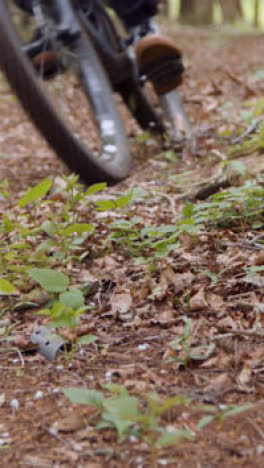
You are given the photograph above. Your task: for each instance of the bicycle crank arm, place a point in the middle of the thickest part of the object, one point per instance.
(68, 26)
(179, 124)
(35, 47)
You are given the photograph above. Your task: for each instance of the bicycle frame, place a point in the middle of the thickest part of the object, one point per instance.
(120, 67)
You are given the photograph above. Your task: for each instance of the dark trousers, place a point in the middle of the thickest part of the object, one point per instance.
(132, 12)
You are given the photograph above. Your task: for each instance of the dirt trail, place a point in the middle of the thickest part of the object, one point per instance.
(221, 86)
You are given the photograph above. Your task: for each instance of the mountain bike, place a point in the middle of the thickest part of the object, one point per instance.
(74, 105)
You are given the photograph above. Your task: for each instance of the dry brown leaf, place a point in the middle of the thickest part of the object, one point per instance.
(35, 460)
(121, 303)
(66, 455)
(198, 302)
(2, 399)
(189, 242)
(210, 363)
(22, 342)
(166, 315)
(215, 301)
(218, 383)
(136, 385)
(179, 281)
(226, 323)
(244, 377)
(105, 263)
(71, 423)
(259, 258)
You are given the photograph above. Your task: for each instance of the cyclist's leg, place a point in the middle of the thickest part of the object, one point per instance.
(135, 12)
(158, 58)
(25, 5)
(154, 51)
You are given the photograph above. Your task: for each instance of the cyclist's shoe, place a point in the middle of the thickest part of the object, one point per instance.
(46, 64)
(160, 61)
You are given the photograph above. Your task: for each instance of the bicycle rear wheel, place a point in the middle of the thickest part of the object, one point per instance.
(113, 162)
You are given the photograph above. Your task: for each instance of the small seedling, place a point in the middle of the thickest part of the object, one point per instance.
(219, 413)
(188, 353)
(129, 416)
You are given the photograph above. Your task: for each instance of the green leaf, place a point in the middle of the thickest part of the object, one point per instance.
(171, 156)
(87, 339)
(73, 298)
(95, 188)
(6, 287)
(123, 201)
(231, 411)
(117, 389)
(35, 193)
(124, 406)
(122, 412)
(239, 167)
(105, 205)
(82, 396)
(204, 422)
(172, 403)
(172, 438)
(79, 228)
(51, 280)
(121, 425)
(188, 210)
(49, 227)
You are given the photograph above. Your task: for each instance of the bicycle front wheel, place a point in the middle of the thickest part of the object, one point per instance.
(109, 159)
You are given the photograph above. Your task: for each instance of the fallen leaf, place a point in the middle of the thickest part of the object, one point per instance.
(2, 399)
(198, 301)
(244, 377)
(259, 258)
(218, 384)
(121, 303)
(71, 423)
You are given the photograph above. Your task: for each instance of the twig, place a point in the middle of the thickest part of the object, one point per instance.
(252, 333)
(256, 427)
(170, 200)
(222, 337)
(252, 128)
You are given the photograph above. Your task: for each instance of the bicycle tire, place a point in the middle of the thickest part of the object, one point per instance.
(22, 78)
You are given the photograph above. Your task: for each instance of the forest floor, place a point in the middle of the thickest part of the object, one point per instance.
(173, 280)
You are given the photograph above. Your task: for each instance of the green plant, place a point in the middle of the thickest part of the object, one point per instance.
(254, 274)
(66, 304)
(183, 345)
(219, 413)
(215, 277)
(129, 416)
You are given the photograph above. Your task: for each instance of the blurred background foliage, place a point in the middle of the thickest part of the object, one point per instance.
(241, 13)
(207, 12)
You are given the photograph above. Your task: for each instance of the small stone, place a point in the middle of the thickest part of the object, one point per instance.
(143, 347)
(38, 395)
(14, 404)
(108, 377)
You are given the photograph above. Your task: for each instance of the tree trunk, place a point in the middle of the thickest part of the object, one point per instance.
(256, 13)
(231, 10)
(197, 11)
(164, 8)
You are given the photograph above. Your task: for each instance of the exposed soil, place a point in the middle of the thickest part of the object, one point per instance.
(135, 315)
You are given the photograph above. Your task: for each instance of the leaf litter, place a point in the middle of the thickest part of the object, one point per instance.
(180, 317)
